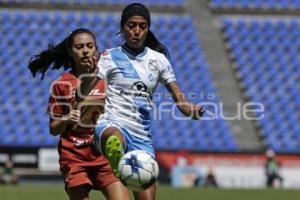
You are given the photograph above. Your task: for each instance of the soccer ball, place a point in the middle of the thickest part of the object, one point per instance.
(138, 170)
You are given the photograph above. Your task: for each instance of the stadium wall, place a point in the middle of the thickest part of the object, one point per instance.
(181, 168)
(230, 170)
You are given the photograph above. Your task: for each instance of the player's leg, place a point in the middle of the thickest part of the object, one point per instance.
(148, 194)
(147, 146)
(77, 183)
(111, 143)
(80, 192)
(15, 179)
(116, 191)
(112, 137)
(104, 180)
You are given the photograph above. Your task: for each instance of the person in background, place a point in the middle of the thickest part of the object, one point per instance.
(272, 167)
(210, 179)
(8, 175)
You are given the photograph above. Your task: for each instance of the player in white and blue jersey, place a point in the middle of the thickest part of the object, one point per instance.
(132, 80)
(133, 72)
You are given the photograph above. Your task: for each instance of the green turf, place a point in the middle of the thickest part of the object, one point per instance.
(56, 192)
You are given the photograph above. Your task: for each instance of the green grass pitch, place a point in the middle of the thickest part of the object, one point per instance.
(56, 192)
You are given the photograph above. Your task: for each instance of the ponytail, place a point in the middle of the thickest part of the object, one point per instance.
(57, 55)
(153, 43)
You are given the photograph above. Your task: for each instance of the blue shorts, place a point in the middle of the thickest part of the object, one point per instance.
(131, 142)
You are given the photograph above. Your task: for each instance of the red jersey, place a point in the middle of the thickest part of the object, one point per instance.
(62, 95)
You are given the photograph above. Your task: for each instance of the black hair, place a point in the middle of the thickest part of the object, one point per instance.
(151, 41)
(135, 9)
(57, 55)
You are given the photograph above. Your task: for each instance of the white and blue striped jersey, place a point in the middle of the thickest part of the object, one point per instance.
(131, 82)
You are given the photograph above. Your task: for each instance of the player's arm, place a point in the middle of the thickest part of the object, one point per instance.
(186, 108)
(85, 87)
(58, 125)
(60, 112)
(98, 69)
(88, 80)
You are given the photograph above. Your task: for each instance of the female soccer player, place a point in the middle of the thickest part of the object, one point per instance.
(82, 167)
(133, 71)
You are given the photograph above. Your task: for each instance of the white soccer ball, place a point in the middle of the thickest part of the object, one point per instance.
(138, 170)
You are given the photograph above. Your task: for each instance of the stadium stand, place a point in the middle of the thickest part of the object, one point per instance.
(256, 4)
(265, 52)
(98, 2)
(25, 33)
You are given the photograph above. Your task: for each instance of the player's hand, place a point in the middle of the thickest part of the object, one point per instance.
(197, 112)
(74, 116)
(92, 63)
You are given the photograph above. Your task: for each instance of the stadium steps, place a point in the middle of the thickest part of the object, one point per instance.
(222, 74)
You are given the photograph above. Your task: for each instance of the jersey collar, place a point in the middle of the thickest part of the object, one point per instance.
(131, 55)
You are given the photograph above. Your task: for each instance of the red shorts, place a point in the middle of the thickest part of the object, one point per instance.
(98, 177)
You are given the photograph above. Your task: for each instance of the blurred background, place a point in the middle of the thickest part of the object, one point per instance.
(238, 58)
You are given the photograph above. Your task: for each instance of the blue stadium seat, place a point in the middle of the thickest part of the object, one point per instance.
(266, 61)
(44, 27)
(256, 4)
(177, 3)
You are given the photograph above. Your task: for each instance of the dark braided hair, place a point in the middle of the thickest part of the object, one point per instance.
(57, 55)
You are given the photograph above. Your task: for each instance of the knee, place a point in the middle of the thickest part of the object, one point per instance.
(116, 191)
(148, 194)
(79, 192)
(106, 134)
(144, 197)
(113, 131)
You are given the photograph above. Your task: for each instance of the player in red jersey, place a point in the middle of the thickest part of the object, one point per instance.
(82, 167)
